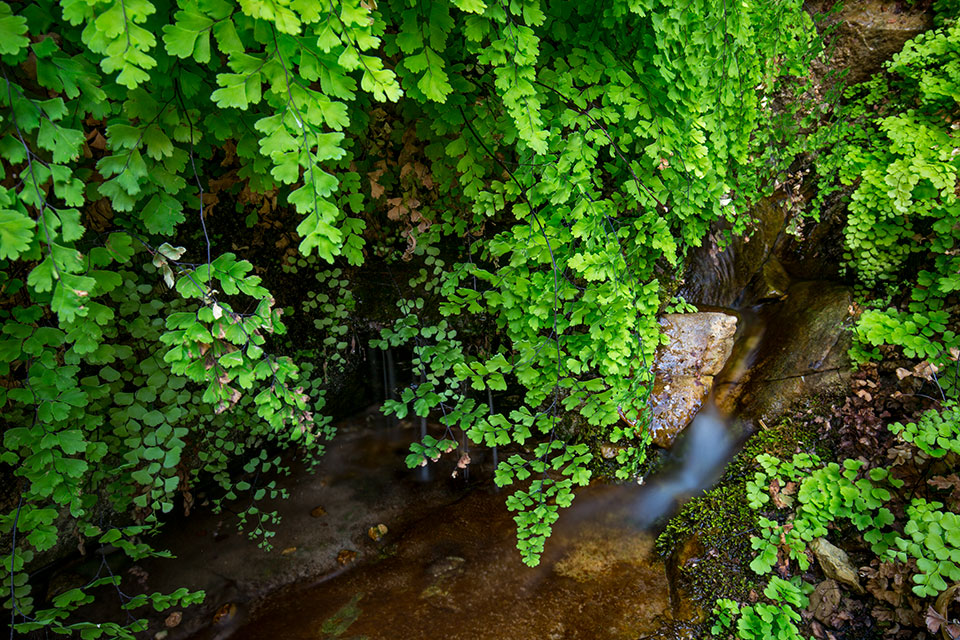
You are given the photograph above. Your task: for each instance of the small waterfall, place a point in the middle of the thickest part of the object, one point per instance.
(697, 462)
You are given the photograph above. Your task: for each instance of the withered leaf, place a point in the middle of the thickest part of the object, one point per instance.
(934, 620)
(945, 482)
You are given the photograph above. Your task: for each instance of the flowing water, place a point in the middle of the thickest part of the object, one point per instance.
(448, 566)
(451, 569)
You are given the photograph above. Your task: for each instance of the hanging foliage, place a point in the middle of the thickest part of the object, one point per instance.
(563, 154)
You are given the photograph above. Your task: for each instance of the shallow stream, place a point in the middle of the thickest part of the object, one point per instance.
(448, 566)
(445, 564)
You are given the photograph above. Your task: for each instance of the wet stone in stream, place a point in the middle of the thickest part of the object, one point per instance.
(803, 353)
(698, 346)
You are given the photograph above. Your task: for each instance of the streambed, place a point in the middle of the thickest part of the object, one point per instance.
(447, 565)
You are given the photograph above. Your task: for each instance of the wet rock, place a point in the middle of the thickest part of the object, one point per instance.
(802, 353)
(445, 572)
(376, 533)
(771, 283)
(697, 343)
(676, 400)
(688, 554)
(225, 615)
(609, 450)
(446, 567)
(835, 564)
(718, 277)
(870, 32)
(698, 346)
(824, 600)
(337, 624)
(440, 597)
(686, 605)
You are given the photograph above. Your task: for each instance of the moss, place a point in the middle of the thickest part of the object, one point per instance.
(709, 544)
(708, 541)
(670, 279)
(783, 439)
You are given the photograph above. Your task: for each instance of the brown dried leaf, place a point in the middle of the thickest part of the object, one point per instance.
(774, 491)
(925, 370)
(934, 620)
(882, 614)
(900, 454)
(817, 630)
(411, 245)
(173, 619)
(397, 209)
(945, 482)
(376, 189)
(96, 140)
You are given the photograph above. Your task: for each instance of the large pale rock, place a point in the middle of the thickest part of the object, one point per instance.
(699, 343)
(835, 564)
(698, 346)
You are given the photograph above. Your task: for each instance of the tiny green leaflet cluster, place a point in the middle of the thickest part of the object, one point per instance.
(776, 619)
(936, 433)
(894, 150)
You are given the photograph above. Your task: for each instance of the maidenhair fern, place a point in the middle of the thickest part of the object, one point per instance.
(542, 162)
